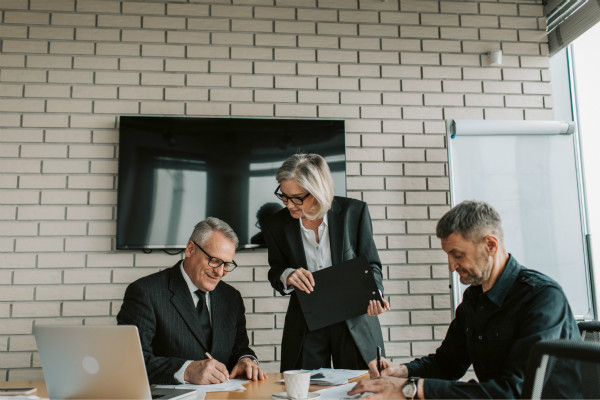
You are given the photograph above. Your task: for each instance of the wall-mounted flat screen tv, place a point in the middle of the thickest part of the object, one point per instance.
(176, 171)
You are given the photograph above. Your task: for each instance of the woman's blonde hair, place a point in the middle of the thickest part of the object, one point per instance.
(312, 173)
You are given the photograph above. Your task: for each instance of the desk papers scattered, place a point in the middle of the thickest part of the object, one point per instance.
(232, 385)
(340, 392)
(329, 376)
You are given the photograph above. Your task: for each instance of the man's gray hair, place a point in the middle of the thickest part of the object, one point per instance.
(312, 173)
(473, 220)
(204, 230)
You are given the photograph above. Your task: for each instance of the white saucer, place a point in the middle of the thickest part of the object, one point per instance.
(283, 395)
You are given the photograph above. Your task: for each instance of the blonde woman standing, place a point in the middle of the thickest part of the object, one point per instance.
(314, 231)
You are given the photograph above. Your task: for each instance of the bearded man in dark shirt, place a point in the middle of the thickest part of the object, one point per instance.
(504, 312)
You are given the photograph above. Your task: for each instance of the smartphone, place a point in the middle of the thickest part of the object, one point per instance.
(24, 391)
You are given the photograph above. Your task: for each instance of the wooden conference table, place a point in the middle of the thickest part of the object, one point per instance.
(254, 390)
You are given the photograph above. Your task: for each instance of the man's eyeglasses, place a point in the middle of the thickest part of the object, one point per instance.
(217, 262)
(296, 200)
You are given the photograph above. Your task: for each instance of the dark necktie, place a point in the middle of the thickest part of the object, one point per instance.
(204, 319)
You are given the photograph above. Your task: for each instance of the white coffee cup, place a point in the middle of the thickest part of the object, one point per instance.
(297, 383)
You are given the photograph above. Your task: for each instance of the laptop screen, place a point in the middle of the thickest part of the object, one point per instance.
(92, 362)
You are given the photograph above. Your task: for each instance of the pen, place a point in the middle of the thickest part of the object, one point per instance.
(207, 354)
(379, 360)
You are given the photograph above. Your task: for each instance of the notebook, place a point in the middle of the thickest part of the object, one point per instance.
(96, 362)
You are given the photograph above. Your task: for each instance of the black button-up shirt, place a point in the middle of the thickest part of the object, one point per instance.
(494, 331)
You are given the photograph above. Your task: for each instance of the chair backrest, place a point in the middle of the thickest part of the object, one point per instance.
(590, 330)
(563, 369)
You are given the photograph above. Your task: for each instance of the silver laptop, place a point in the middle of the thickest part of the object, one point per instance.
(96, 362)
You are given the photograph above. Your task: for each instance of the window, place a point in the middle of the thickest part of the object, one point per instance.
(576, 88)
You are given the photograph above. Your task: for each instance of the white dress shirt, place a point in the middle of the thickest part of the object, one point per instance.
(318, 255)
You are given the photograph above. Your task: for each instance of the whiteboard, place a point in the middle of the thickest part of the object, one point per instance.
(529, 172)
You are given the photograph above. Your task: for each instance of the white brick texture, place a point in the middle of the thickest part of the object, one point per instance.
(394, 71)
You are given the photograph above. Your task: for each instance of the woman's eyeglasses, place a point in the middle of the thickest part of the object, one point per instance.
(285, 198)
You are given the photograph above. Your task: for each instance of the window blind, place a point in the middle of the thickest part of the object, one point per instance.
(566, 20)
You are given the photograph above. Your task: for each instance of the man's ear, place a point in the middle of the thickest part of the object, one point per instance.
(189, 249)
(491, 243)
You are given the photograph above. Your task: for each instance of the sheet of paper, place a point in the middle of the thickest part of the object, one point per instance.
(340, 392)
(232, 385)
(337, 392)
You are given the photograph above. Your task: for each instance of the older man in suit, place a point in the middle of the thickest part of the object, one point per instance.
(192, 325)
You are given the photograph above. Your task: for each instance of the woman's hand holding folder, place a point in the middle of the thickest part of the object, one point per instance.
(302, 279)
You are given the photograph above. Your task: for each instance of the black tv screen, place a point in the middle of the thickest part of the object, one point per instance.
(176, 171)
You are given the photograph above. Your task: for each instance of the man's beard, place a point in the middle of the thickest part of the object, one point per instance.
(483, 275)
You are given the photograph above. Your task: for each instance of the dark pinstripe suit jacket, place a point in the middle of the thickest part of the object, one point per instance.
(161, 307)
(350, 236)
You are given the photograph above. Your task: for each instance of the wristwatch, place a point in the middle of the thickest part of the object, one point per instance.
(409, 390)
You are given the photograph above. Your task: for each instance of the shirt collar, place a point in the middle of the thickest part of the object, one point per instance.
(505, 281)
(192, 288)
(323, 224)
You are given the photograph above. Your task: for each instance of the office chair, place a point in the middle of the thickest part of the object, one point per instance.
(563, 369)
(590, 330)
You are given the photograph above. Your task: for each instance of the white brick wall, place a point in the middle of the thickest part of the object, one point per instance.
(393, 70)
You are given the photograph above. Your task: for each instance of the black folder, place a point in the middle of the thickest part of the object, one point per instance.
(341, 292)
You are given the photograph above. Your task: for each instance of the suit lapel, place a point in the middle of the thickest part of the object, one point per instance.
(183, 303)
(335, 233)
(291, 231)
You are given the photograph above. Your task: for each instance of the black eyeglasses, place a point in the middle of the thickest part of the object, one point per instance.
(217, 262)
(296, 200)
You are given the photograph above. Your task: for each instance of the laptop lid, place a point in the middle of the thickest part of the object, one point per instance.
(94, 362)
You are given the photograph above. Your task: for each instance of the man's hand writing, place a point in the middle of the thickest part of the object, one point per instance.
(206, 372)
(388, 368)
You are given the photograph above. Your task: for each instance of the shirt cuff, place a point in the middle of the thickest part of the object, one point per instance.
(250, 356)
(284, 277)
(179, 375)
